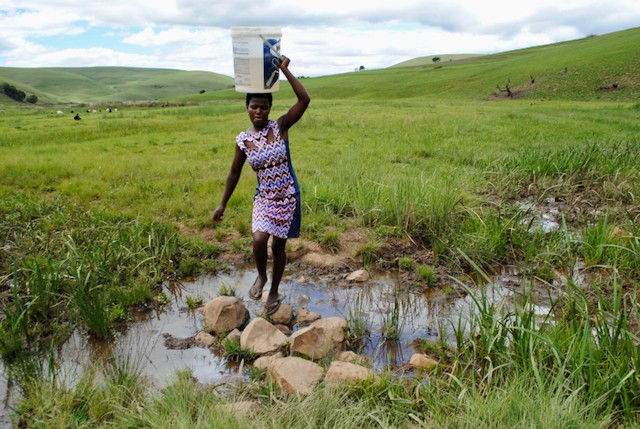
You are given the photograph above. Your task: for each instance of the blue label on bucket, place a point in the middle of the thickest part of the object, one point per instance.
(271, 48)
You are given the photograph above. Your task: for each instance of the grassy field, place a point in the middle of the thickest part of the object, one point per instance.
(95, 213)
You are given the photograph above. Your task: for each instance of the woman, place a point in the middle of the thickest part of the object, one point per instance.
(276, 205)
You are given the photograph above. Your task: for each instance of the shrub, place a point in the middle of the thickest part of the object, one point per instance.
(427, 273)
(331, 241)
(189, 266)
(406, 263)
(13, 92)
(194, 302)
(370, 253)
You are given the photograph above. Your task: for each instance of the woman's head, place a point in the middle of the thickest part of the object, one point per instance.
(258, 108)
(268, 96)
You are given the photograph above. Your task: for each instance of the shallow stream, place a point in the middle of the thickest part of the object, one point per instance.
(377, 305)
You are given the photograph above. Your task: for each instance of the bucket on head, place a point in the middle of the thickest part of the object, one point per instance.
(256, 55)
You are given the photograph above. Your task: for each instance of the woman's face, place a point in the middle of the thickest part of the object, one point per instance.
(258, 109)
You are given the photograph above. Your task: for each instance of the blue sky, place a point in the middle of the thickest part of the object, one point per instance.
(333, 36)
(103, 37)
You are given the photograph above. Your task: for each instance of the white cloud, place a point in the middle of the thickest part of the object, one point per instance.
(91, 57)
(332, 36)
(149, 37)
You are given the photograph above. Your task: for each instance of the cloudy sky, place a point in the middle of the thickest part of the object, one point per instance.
(320, 37)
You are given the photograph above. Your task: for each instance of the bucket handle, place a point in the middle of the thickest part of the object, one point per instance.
(273, 49)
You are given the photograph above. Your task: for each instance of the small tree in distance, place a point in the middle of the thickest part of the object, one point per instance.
(13, 92)
(436, 59)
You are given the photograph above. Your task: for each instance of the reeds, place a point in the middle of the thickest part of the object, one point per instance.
(359, 322)
(604, 170)
(585, 344)
(67, 262)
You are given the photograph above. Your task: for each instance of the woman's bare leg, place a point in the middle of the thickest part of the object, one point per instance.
(279, 262)
(260, 240)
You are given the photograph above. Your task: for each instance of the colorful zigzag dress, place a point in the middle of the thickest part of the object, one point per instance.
(276, 204)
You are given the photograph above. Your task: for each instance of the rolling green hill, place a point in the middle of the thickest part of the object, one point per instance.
(605, 67)
(428, 60)
(583, 69)
(104, 84)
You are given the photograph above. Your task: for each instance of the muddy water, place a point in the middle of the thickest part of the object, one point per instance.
(380, 306)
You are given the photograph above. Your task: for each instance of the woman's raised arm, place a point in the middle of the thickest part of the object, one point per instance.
(296, 111)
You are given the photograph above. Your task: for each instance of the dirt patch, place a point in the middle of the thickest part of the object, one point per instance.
(299, 250)
(513, 95)
(210, 234)
(312, 258)
(615, 86)
(314, 255)
(350, 256)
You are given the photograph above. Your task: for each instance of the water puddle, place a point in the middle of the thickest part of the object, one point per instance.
(546, 216)
(391, 315)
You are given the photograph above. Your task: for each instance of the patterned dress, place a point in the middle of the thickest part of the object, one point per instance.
(276, 204)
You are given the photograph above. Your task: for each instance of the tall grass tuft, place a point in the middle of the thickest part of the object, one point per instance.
(112, 386)
(585, 345)
(359, 321)
(183, 403)
(394, 318)
(70, 266)
(605, 169)
(93, 307)
(606, 246)
(37, 294)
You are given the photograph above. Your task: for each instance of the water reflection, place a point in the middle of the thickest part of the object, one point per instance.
(387, 315)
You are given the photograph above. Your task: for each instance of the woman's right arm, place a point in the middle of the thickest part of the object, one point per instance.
(232, 180)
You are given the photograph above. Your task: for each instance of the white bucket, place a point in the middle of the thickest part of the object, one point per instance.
(256, 53)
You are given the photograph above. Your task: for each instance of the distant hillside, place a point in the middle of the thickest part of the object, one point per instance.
(439, 59)
(104, 84)
(604, 67)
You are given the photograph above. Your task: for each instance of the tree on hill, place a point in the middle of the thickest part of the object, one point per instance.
(13, 92)
(18, 95)
(435, 59)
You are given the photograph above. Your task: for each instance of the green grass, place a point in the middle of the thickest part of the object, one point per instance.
(94, 214)
(232, 350)
(72, 267)
(226, 290)
(589, 346)
(406, 263)
(512, 369)
(330, 240)
(446, 174)
(194, 302)
(427, 273)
